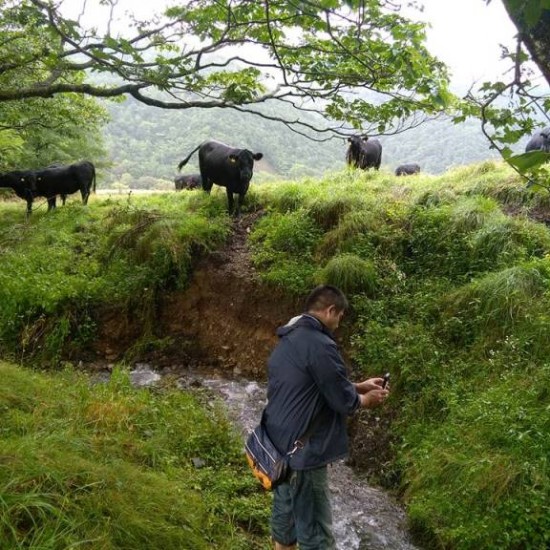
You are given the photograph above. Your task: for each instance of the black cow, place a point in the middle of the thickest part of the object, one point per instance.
(192, 181)
(23, 183)
(407, 169)
(539, 142)
(52, 181)
(364, 153)
(225, 166)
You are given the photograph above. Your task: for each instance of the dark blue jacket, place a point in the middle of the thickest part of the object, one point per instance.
(307, 378)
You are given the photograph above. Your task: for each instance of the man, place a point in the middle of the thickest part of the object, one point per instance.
(308, 386)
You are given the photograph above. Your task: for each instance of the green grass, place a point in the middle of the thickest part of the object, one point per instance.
(59, 267)
(449, 292)
(451, 295)
(108, 466)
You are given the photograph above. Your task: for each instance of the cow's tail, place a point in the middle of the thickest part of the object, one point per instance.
(93, 176)
(186, 160)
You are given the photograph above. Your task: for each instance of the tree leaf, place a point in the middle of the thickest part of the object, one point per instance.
(530, 160)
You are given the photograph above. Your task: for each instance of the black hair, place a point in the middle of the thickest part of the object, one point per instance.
(324, 296)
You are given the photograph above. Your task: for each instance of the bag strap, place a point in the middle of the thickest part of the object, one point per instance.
(302, 440)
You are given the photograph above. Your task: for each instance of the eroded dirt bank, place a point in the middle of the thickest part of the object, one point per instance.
(225, 317)
(226, 310)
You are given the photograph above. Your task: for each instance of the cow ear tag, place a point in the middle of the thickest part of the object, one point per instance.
(232, 159)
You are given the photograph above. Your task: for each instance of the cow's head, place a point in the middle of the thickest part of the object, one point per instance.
(355, 143)
(15, 179)
(243, 162)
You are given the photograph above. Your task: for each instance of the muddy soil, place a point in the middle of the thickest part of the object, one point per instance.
(226, 311)
(226, 317)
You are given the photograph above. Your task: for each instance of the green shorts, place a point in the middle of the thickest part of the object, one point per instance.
(301, 511)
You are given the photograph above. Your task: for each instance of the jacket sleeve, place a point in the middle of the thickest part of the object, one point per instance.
(329, 372)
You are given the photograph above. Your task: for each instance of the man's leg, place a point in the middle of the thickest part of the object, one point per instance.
(283, 528)
(312, 512)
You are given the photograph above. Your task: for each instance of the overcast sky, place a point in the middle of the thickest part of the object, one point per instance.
(466, 34)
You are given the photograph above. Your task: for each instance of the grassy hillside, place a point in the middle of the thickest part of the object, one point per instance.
(147, 144)
(108, 466)
(452, 296)
(57, 270)
(449, 281)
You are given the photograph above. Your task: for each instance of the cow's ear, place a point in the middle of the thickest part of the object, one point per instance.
(258, 156)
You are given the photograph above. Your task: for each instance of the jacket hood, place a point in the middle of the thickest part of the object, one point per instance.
(303, 320)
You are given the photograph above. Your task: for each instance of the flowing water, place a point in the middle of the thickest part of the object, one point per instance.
(365, 518)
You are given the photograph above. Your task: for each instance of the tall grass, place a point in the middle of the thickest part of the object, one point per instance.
(108, 466)
(350, 273)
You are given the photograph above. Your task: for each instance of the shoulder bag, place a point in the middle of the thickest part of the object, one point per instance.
(268, 465)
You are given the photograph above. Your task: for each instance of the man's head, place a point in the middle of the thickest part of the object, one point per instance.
(328, 304)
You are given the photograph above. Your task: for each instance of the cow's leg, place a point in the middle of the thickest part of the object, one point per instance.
(207, 184)
(29, 197)
(230, 202)
(63, 198)
(240, 203)
(29, 208)
(85, 195)
(51, 203)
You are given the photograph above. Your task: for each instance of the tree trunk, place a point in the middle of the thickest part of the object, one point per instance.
(536, 38)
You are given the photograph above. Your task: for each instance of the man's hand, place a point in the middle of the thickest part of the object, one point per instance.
(371, 393)
(369, 385)
(373, 398)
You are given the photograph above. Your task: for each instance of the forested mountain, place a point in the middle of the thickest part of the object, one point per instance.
(147, 143)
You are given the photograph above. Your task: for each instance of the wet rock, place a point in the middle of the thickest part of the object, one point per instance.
(143, 375)
(198, 462)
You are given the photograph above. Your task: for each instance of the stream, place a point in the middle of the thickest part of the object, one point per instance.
(364, 517)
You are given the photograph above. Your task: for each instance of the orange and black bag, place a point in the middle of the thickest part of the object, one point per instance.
(269, 466)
